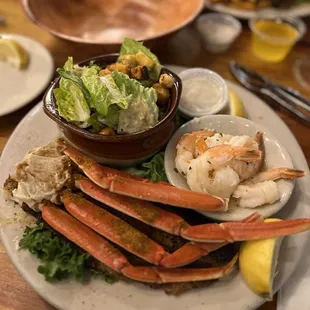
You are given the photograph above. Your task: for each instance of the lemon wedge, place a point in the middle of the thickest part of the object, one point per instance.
(13, 53)
(236, 107)
(258, 262)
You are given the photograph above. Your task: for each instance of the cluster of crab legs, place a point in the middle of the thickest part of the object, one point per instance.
(90, 226)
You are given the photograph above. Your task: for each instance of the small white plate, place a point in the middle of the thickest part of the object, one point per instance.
(20, 87)
(276, 156)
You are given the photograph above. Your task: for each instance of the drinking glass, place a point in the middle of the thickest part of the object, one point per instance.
(273, 38)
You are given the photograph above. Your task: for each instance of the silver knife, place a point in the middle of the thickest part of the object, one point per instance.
(287, 97)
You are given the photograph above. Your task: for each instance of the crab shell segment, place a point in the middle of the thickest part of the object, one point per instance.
(128, 185)
(128, 237)
(240, 231)
(103, 251)
(134, 241)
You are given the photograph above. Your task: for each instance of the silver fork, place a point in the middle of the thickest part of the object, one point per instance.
(286, 97)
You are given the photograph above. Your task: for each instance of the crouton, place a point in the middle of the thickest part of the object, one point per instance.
(166, 80)
(163, 95)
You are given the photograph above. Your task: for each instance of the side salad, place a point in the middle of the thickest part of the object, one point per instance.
(125, 97)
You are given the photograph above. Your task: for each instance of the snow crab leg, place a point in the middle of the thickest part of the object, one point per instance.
(102, 250)
(148, 213)
(240, 231)
(121, 233)
(131, 239)
(154, 216)
(125, 184)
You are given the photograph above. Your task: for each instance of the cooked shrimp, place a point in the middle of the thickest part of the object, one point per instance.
(247, 169)
(220, 138)
(275, 174)
(211, 172)
(217, 139)
(254, 195)
(227, 155)
(186, 149)
(202, 178)
(261, 189)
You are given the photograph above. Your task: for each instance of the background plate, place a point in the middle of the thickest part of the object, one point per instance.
(296, 11)
(17, 88)
(231, 292)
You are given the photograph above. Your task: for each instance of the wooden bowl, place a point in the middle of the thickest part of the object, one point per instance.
(121, 150)
(109, 22)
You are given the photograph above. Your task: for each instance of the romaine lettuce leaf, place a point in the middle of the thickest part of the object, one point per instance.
(132, 47)
(112, 118)
(104, 92)
(68, 75)
(98, 122)
(68, 66)
(142, 112)
(74, 73)
(70, 101)
(95, 122)
(77, 70)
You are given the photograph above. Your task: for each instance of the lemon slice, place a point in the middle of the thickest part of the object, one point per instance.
(258, 262)
(13, 53)
(236, 107)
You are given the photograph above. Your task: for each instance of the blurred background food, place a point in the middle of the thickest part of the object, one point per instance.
(13, 53)
(109, 22)
(273, 38)
(259, 4)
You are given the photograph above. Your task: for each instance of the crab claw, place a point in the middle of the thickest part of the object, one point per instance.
(164, 275)
(241, 231)
(100, 175)
(169, 195)
(126, 184)
(102, 250)
(83, 236)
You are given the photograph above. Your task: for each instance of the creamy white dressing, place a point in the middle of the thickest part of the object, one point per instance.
(200, 94)
(218, 31)
(138, 117)
(41, 175)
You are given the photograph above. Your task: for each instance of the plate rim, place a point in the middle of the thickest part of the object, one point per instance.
(243, 14)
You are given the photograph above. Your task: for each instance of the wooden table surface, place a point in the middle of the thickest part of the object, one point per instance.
(184, 48)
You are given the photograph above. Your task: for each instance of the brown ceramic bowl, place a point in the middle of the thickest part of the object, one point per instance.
(109, 22)
(121, 150)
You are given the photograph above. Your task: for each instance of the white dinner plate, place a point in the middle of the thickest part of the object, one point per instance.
(17, 88)
(276, 156)
(301, 10)
(231, 292)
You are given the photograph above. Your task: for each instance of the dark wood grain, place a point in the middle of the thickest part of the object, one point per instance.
(185, 48)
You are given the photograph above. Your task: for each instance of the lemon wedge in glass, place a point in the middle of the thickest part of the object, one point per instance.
(13, 53)
(236, 107)
(258, 262)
